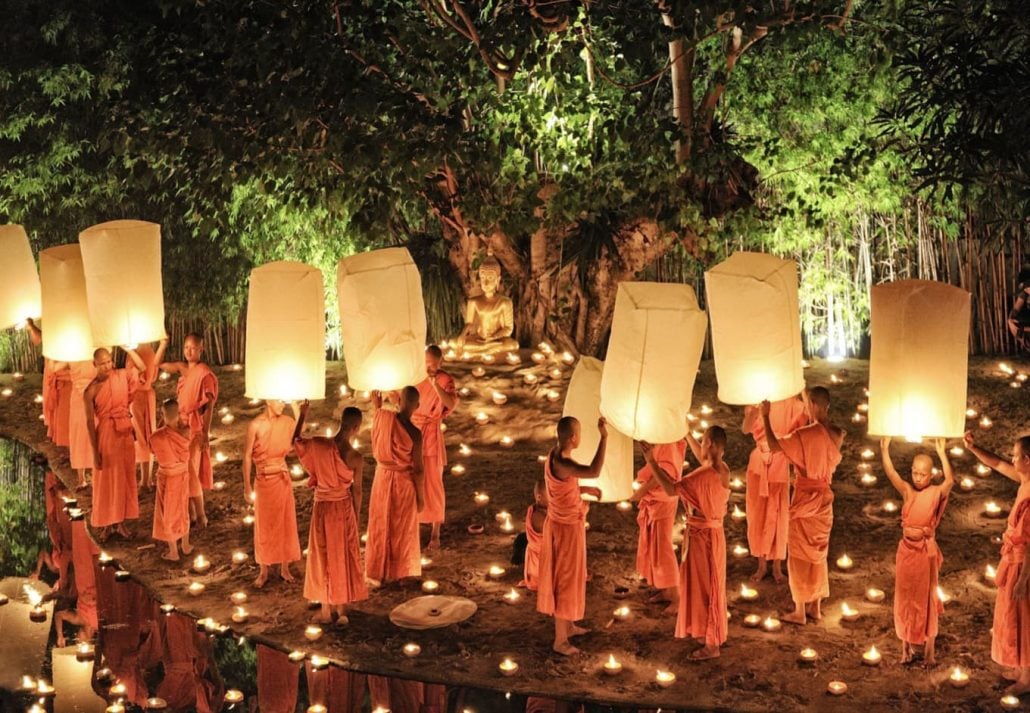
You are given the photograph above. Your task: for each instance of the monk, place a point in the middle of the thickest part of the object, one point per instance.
(170, 445)
(398, 492)
(109, 422)
(705, 492)
(436, 399)
(814, 451)
(197, 394)
(918, 562)
(768, 486)
(80, 447)
(656, 555)
(1010, 635)
(536, 515)
(333, 575)
(144, 409)
(56, 391)
(563, 551)
(269, 439)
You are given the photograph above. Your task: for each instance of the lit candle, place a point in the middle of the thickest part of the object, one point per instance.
(748, 593)
(512, 358)
(664, 679)
(622, 613)
(122, 575)
(44, 689)
(512, 596)
(771, 624)
(530, 379)
(495, 571)
(738, 514)
(218, 486)
(312, 632)
(808, 655)
(706, 410)
(248, 519)
(837, 688)
(986, 422)
(38, 398)
(958, 678)
(238, 598)
(848, 613)
(481, 499)
(85, 651)
(28, 683)
(736, 484)
(482, 419)
(863, 407)
(196, 588)
(104, 559)
(498, 398)
(6, 392)
(1009, 702)
(464, 450)
(752, 620)
(740, 551)
(478, 372)
(867, 454)
(239, 615)
(844, 562)
(967, 483)
(625, 505)
(233, 696)
(555, 373)
(957, 451)
(429, 586)
(465, 391)
(864, 467)
(425, 561)
(990, 573)
(834, 379)
(411, 650)
(507, 526)
(239, 557)
(508, 667)
(612, 665)
(296, 656)
(228, 418)
(507, 441)
(943, 596)
(167, 609)
(489, 358)
(868, 480)
(220, 457)
(982, 469)
(889, 506)
(553, 395)
(201, 564)
(317, 708)
(319, 663)
(871, 657)
(874, 595)
(538, 358)
(1005, 368)
(156, 704)
(992, 509)
(457, 469)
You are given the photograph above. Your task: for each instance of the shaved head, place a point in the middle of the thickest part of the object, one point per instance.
(717, 435)
(923, 461)
(350, 419)
(99, 354)
(819, 395)
(567, 428)
(434, 351)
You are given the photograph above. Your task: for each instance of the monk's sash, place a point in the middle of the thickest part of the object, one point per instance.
(171, 471)
(272, 466)
(810, 484)
(696, 522)
(706, 529)
(332, 495)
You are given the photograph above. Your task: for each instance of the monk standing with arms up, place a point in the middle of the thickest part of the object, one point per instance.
(563, 552)
(80, 448)
(170, 445)
(333, 575)
(197, 394)
(398, 492)
(656, 555)
(106, 403)
(144, 408)
(56, 391)
(436, 400)
(1010, 635)
(269, 439)
(814, 451)
(918, 562)
(705, 492)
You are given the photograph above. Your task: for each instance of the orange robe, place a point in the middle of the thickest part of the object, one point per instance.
(275, 511)
(144, 403)
(333, 574)
(190, 679)
(49, 393)
(815, 456)
(278, 681)
(656, 555)
(339, 690)
(563, 552)
(768, 482)
(392, 550)
(430, 414)
(172, 499)
(917, 564)
(196, 391)
(79, 446)
(531, 565)
(1010, 640)
(702, 605)
(397, 695)
(60, 408)
(84, 553)
(114, 485)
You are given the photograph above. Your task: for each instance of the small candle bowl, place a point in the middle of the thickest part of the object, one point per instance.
(481, 499)
(808, 655)
(319, 663)
(167, 609)
(196, 588)
(752, 621)
(553, 395)
(475, 529)
(982, 469)
(849, 613)
(868, 480)
(622, 613)
(624, 505)
(538, 358)
(986, 423)
(736, 484)
(296, 656)
(967, 484)
(738, 514)
(530, 379)
(430, 586)
(612, 666)
(748, 594)
(85, 651)
(122, 575)
(837, 688)
(772, 624)
(482, 418)
(507, 441)
(312, 632)
(740, 551)
(105, 559)
(239, 557)
(992, 509)
(512, 596)
(958, 678)
(218, 486)
(874, 595)
(457, 469)
(201, 564)
(233, 696)
(512, 358)
(489, 358)
(890, 507)
(1009, 702)
(240, 615)
(508, 667)
(872, 657)
(411, 650)
(495, 572)
(37, 614)
(498, 398)
(664, 679)
(317, 708)
(156, 704)
(248, 519)
(845, 563)
(478, 372)
(238, 598)
(990, 573)
(867, 454)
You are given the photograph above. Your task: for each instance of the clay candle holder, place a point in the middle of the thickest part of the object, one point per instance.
(239, 557)
(990, 573)
(411, 650)
(808, 655)
(196, 589)
(201, 564)
(848, 613)
(622, 613)
(845, 563)
(624, 506)
(992, 509)
(457, 469)
(508, 667)
(238, 598)
(512, 596)
(430, 586)
(664, 679)
(312, 632)
(240, 615)
(958, 678)
(874, 595)
(837, 688)
(740, 551)
(872, 657)
(752, 621)
(1009, 702)
(967, 484)
(748, 594)
(612, 666)
(771, 624)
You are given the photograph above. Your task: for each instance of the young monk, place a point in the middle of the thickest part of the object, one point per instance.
(1010, 635)
(918, 562)
(106, 402)
(398, 492)
(144, 409)
(197, 394)
(170, 445)
(563, 551)
(768, 486)
(814, 451)
(269, 439)
(436, 399)
(333, 575)
(536, 515)
(656, 555)
(80, 448)
(705, 491)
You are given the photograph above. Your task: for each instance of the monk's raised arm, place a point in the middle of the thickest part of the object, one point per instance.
(990, 459)
(888, 467)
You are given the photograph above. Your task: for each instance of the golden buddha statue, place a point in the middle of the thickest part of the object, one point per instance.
(489, 317)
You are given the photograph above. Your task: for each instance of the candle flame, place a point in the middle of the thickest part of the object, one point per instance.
(34, 597)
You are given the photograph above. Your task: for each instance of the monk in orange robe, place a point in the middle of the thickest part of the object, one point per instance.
(814, 451)
(333, 575)
(398, 492)
(269, 439)
(197, 394)
(170, 445)
(918, 561)
(144, 408)
(705, 492)
(536, 515)
(1010, 635)
(191, 680)
(336, 688)
(109, 422)
(768, 486)
(563, 551)
(56, 390)
(80, 448)
(436, 399)
(278, 681)
(656, 555)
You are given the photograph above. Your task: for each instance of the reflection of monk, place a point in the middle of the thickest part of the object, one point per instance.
(339, 690)
(191, 681)
(277, 681)
(489, 318)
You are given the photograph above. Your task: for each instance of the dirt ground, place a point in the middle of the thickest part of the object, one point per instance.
(757, 670)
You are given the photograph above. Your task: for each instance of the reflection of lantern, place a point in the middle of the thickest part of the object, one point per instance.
(657, 336)
(756, 328)
(286, 333)
(19, 282)
(918, 361)
(66, 332)
(583, 400)
(382, 319)
(122, 262)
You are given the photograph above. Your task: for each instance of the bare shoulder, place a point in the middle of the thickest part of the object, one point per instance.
(837, 434)
(354, 459)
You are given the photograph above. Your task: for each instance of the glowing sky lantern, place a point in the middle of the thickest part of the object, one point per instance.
(67, 335)
(122, 264)
(756, 328)
(918, 360)
(382, 319)
(286, 332)
(583, 400)
(658, 332)
(19, 281)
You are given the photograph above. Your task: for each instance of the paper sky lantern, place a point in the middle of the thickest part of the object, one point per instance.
(654, 350)
(583, 400)
(918, 359)
(122, 262)
(382, 319)
(756, 328)
(66, 329)
(19, 281)
(286, 333)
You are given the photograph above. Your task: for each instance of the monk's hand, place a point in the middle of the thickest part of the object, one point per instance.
(304, 406)
(967, 438)
(765, 406)
(885, 443)
(602, 427)
(939, 444)
(591, 490)
(377, 398)
(420, 502)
